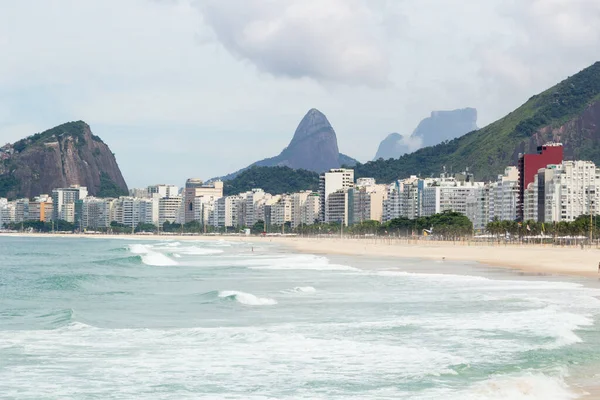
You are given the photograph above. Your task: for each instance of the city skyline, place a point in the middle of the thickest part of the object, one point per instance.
(171, 81)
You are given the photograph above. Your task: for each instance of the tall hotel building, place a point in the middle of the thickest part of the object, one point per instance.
(530, 164)
(331, 182)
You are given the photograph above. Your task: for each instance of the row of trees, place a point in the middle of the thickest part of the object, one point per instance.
(579, 227)
(447, 224)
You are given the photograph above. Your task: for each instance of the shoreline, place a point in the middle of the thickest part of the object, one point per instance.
(533, 259)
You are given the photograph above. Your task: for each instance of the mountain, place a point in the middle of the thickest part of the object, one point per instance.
(393, 146)
(314, 148)
(568, 113)
(440, 126)
(65, 155)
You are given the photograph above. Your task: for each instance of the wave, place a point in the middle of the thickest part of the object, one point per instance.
(131, 260)
(246, 298)
(296, 262)
(198, 251)
(530, 386)
(57, 318)
(151, 257)
(158, 260)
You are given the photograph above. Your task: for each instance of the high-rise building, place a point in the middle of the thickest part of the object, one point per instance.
(161, 190)
(530, 164)
(169, 209)
(332, 182)
(93, 213)
(196, 188)
(365, 201)
(64, 200)
(567, 191)
(504, 196)
(226, 209)
(40, 209)
(337, 207)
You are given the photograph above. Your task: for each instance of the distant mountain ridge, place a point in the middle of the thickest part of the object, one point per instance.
(313, 147)
(568, 113)
(437, 128)
(59, 157)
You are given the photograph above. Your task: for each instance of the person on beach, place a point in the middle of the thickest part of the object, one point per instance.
(599, 267)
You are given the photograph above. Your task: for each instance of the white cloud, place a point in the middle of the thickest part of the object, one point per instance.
(327, 40)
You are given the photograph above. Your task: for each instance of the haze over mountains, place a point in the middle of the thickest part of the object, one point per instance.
(568, 113)
(437, 128)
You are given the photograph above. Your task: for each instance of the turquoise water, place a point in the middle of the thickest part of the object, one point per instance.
(127, 319)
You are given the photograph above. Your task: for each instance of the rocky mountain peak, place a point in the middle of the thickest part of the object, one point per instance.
(65, 155)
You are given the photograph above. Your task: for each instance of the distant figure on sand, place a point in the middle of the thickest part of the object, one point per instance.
(599, 267)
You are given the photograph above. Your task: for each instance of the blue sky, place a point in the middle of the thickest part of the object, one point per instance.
(199, 88)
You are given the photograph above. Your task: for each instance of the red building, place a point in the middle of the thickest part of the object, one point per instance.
(529, 164)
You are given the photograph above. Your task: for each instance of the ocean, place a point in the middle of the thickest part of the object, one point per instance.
(84, 318)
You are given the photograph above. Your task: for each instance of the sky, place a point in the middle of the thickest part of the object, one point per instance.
(201, 88)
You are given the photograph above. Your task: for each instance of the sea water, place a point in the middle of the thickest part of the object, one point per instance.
(131, 319)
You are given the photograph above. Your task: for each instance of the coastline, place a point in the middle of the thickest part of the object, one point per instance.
(532, 259)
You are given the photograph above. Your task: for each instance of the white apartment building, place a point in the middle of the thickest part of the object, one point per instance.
(337, 207)
(504, 196)
(530, 201)
(226, 209)
(329, 183)
(366, 201)
(567, 191)
(169, 209)
(281, 211)
(254, 206)
(161, 191)
(304, 208)
(195, 189)
(21, 210)
(64, 200)
(95, 213)
(478, 207)
(7, 212)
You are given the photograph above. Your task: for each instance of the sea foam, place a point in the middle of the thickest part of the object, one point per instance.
(246, 298)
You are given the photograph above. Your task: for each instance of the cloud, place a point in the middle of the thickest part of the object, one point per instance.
(326, 40)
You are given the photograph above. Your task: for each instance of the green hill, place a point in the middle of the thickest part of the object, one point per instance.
(568, 112)
(274, 180)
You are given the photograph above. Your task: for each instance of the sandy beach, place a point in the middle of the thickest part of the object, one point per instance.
(530, 258)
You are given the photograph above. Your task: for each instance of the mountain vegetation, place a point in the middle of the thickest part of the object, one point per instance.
(568, 112)
(272, 180)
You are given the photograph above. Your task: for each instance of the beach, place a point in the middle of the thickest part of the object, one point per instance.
(529, 258)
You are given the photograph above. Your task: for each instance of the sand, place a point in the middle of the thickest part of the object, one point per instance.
(530, 258)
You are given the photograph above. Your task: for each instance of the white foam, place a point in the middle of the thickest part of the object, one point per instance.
(139, 248)
(295, 262)
(151, 257)
(247, 298)
(526, 387)
(157, 259)
(199, 251)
